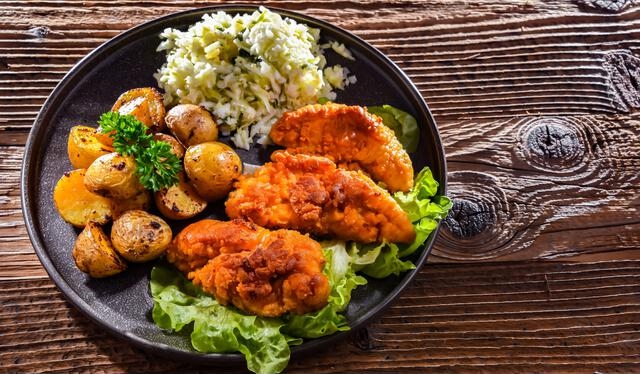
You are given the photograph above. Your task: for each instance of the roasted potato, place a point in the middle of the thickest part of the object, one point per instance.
(145, 104)
(140, 236)
(94, 254)
(84, 146)
(113, 176)
(77, 205)
(191, 124)
(212, 167)
(104, 138)
(142, 201)
(176, 147)
(180, 201)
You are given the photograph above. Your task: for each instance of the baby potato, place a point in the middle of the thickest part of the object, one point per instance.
(77, 205)
(145, 104)
(84, 146)
(94, 254)
(191, 124)
(180, 201)
(212, 167)
(176, 148)
(141, 201)
(140, 236)
(113, 176)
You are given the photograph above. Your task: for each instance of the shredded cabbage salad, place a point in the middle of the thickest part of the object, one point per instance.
(248, 69)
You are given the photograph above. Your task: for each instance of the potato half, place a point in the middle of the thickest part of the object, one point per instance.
(145, 104)
(77, 205)
(180, 201)
(84, 146)
(94, 254)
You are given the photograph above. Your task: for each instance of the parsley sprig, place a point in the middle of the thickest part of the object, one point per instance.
(156, 166)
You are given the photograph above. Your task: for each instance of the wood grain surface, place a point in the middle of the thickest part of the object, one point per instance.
(537, 267)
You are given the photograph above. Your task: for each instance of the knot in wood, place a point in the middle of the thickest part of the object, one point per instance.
(468, 217)
(552, 143)
(39, 32)
(480, 221)
(608, 6)
(623, 79)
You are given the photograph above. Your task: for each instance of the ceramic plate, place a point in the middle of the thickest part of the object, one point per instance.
(122, 304)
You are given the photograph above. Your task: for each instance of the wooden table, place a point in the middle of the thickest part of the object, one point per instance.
(536, 269)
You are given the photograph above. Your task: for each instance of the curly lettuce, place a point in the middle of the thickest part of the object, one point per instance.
(343, 279)
(264, 342)
(403, 124)
(425, 208)
(215, 328)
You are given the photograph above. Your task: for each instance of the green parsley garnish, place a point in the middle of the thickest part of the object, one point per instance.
(156, 166)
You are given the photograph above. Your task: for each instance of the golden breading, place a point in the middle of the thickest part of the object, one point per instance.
(263, 272)
(310, 194)
(283, 274)
(203, 240)
(351, 137)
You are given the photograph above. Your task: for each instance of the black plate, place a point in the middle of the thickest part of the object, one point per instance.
(122, 304)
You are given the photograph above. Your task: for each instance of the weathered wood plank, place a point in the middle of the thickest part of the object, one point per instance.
(541, 187)
(537, 102)
(463, 317)
(480, 66)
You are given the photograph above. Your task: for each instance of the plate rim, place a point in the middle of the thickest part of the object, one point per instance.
(75, 73)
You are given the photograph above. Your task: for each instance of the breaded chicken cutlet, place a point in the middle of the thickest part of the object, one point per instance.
(351, 137)
(263, 272)
(310, 194)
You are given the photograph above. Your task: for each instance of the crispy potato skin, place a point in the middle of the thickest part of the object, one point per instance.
(142, 201)
(113, 176)
(79, 206)
(212, 168)
(140, 236)
(145, 104)
(191, 124)
(84, 146)
(94, 254)
(180, 201)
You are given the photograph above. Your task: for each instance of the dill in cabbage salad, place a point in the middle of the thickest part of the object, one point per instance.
(248, 69)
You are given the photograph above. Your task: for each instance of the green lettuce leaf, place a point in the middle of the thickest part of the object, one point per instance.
(177, 303)
(403, 124)
(387, 262)
(424, 208)
(342, 279)
(263, 341)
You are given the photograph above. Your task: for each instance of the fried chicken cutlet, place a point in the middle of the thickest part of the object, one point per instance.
(310, 194)
(351, 137)
(263, 272)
